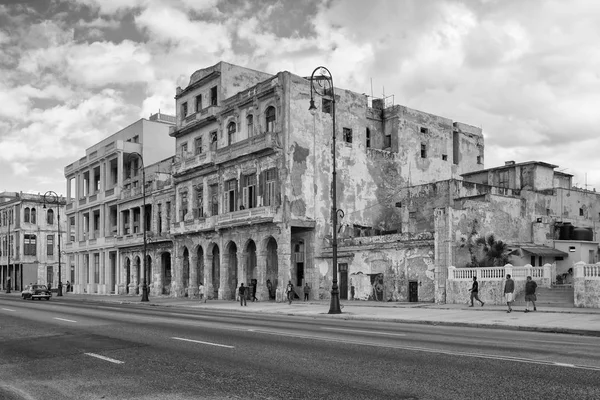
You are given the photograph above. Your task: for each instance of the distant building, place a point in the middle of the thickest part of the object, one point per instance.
(29, 229)
(104, 205)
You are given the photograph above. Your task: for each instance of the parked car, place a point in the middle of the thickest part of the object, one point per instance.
(36, 292)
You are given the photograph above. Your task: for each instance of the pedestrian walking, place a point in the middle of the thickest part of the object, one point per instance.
(201, 292)
(8, 285)
(509, 292)
(306, 291)
(68, 286)
(254, 285)
(289, 291)
(242, 293)
(530, 296)
(475, 292)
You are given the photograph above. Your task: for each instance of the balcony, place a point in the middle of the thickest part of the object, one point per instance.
(246, 217)
(194, 161)
(267, 141)
(194, 225)
(194, 121)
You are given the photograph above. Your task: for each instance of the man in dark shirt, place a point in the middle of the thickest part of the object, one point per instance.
(509, 292)
(530, 296)
(475, 292)
(242, 293)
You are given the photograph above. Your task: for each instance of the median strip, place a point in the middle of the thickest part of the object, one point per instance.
(201, 342)
(63, 319)
(112, 360)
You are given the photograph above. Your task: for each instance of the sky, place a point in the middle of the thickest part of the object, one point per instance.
(73, 72)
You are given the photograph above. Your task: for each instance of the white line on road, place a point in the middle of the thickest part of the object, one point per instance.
(8, 309)
(62, 319)
(201, 342)
(112, 360)
(435, 351)
(369, 332)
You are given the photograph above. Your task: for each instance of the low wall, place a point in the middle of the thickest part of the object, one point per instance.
(586, 285)
(490, 292)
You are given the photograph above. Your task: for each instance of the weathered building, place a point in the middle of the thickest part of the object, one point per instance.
(253, 181)
(29, 239)
(105, 213)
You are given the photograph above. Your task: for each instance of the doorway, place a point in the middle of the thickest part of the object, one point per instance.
(343, 268)
(413, 291)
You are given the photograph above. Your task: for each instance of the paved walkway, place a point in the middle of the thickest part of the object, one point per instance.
(584, 321)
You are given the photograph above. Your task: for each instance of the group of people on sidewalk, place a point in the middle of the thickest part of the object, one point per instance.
(509, 293)
(289, 293)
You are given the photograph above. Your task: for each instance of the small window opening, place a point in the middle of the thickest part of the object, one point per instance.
(424, 130)
(423, 150)
(444, 157)
(347, 135)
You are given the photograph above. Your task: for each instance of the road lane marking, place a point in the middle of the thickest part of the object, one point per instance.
(8, 309)
(359, 331)
(63, 319)
(112, 360)
(435, 351)
(201, 342)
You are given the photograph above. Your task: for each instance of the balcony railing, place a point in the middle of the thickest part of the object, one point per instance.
(109, 192)
(194, 161)
(252, 213)
(254, 144)
(196, 120)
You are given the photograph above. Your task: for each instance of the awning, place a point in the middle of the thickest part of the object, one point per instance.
(544, 251)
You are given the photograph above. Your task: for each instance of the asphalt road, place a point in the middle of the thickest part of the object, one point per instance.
(61, 349)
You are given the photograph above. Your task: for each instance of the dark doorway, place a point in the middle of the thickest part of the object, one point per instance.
(413, 292)
(49, 276)
(343, 281)
(299, 274)
(128, 275)
(166, 273)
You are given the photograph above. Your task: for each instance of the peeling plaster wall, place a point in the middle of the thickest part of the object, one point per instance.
(490, 292)
(399, 262)
(587, 293)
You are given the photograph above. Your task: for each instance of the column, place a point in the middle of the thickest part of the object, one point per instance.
(284, 265)
(193, 288)
(208, 277)
(262, 292)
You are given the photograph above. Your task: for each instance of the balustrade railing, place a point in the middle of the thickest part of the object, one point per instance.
(499, 273)
(587, 271)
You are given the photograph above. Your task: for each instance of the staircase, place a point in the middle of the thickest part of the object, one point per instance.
(556, 296)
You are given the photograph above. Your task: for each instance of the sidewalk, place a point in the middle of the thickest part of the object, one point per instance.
(582, 321)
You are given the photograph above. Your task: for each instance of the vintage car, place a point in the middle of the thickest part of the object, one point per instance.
(36, 292)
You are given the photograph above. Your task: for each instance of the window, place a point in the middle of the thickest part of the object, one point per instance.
(29, 245)
(478, 159)
(96, 268)
(135, 139)
(444, 157)
(135, 166)
(249, 191)
(503, 179)
(50, 245)
(168, 209)
(198, 145)
(184, 149)
(230, 195)
(368, 138)
(347, 135)
(581, 212)
(231, 133)
(423, 150)
(387, 142)
(198, 102)
(50, 217)
(184, 206)
(199, 203)
(33, 216)
(213, 96)
(270, 119)
(184, 110)
(424, 130)
(214, 202)
(26, 214)
(213, 140)
(250, 125)
(326, 105)
(270, 179)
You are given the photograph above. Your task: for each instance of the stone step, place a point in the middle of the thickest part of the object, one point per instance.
(552, 297)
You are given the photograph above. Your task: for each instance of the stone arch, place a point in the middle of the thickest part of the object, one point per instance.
(185, 270)
(215, 282)
(272, 266)
(127, 274)
(199, 252)
(166, 274)
(231, 273)
(136, 279)
(250, 261)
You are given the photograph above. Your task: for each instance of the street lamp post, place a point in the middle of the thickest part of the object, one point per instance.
(9, 243)
(143, 216)
(56, 199)
(322, 84)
